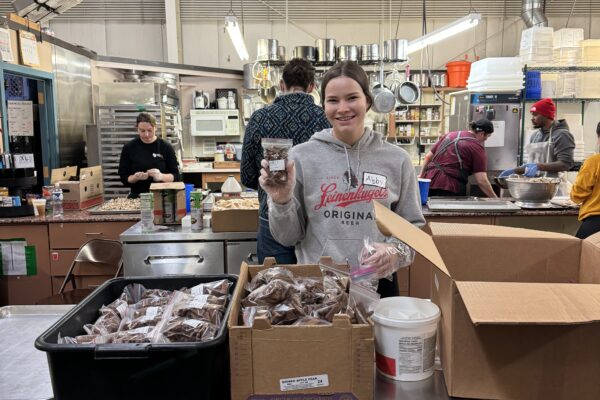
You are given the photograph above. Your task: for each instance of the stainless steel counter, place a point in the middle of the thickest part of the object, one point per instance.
(432, 388)
(174, 233)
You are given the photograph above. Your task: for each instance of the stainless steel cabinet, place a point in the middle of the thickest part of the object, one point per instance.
(191, 258)
(238, 252)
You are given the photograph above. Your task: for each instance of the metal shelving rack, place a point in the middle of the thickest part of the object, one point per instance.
(556, 99)
(116, 126)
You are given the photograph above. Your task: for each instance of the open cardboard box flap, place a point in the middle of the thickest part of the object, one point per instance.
(492, 231)
(510, 303)
(390, 224)
(62, 174)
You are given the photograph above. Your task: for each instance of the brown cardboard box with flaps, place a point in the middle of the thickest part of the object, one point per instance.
(179, 209)
(271, 360)
(80, 194)
(520, 315)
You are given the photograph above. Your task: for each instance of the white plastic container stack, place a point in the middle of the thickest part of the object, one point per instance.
(567, 47)
(496, 73)
(576, 129)
(589, 85)
(536, 46)
(567, 85)
(591, 52)
(549, 85)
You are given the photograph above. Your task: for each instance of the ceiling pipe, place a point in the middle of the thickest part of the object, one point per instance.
(532, 12)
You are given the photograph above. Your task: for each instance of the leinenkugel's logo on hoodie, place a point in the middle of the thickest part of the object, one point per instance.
(330, 195)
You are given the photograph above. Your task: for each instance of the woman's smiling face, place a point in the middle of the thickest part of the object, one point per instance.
(345, 108)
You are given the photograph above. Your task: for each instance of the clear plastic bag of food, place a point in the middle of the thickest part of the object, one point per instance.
(216, 288)
(273, 293)
(363, 302)
(146, 316)
(311, 290)
(252, 312)
(275, 151)
(108, 322)
(311, 321)
(267, 275)
(198, 308)
(179, 329)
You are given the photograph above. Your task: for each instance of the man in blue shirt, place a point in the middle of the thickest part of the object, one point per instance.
(293, 115)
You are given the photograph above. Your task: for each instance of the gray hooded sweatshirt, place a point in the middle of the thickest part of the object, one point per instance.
(331, 211)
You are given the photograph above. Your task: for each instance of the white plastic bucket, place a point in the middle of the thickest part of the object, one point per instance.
(405, 337)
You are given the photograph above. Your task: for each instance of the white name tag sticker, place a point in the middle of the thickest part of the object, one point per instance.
(374, 180)
(303, 382)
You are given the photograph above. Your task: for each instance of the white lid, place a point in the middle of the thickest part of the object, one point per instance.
(400, 311)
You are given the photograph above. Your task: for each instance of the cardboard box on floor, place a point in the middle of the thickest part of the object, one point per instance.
(520, 308)
(267, 360)
(180, 210)
(87, 192)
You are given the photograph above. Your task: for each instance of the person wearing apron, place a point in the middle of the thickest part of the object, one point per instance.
(456, 156)
(550, 148)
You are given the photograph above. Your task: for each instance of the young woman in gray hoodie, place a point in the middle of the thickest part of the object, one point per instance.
(333, 178)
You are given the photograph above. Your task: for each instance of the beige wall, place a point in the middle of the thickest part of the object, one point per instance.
(205, 42)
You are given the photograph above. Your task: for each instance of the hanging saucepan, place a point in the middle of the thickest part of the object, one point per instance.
(383, 99)
(407, 92)
(305, 52)
(347, 53)
(369, 52)
(395, 50)
(325, 51)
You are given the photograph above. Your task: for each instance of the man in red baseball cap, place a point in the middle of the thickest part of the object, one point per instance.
(550, 148)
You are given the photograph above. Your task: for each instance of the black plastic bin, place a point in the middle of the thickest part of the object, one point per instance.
(136, 371)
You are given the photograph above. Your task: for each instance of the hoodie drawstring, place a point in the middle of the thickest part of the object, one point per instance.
(349, 171)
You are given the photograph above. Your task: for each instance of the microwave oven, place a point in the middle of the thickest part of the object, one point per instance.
(215, 122)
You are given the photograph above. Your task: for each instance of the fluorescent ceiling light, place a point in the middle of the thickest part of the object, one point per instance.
(233, 28)
(458, 26)
(42, 10)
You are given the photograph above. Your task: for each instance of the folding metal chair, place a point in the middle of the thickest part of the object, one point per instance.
(105, 252)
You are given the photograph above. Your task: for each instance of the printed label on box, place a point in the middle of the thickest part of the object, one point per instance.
(303, 382)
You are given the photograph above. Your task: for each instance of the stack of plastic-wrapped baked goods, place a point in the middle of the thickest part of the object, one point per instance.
(285, 299)
(143, 315)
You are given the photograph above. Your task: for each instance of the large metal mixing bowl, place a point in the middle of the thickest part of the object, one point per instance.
(532, 190)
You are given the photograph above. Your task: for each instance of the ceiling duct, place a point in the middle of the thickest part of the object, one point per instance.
(42, 10)
(532, 12)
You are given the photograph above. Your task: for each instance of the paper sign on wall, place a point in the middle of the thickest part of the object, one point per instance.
(20, 118)
(29, 49)
(23, 161)
(497, 138)
(17, 258)
(6, 53)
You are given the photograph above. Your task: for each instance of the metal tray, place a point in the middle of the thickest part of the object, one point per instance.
(96, 211)
(24, 370)
(472, 205)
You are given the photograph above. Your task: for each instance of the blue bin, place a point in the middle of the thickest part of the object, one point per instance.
(189, 188)
(533, 85)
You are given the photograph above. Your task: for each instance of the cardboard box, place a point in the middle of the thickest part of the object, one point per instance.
(520, 308)
(179, 201)
(87, 192)
(265, 358)
(234, 220)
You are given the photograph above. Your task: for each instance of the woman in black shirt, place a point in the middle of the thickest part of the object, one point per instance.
(147, 158)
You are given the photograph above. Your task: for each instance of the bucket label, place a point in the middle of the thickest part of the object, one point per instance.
(303, 382)
(416, 354)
